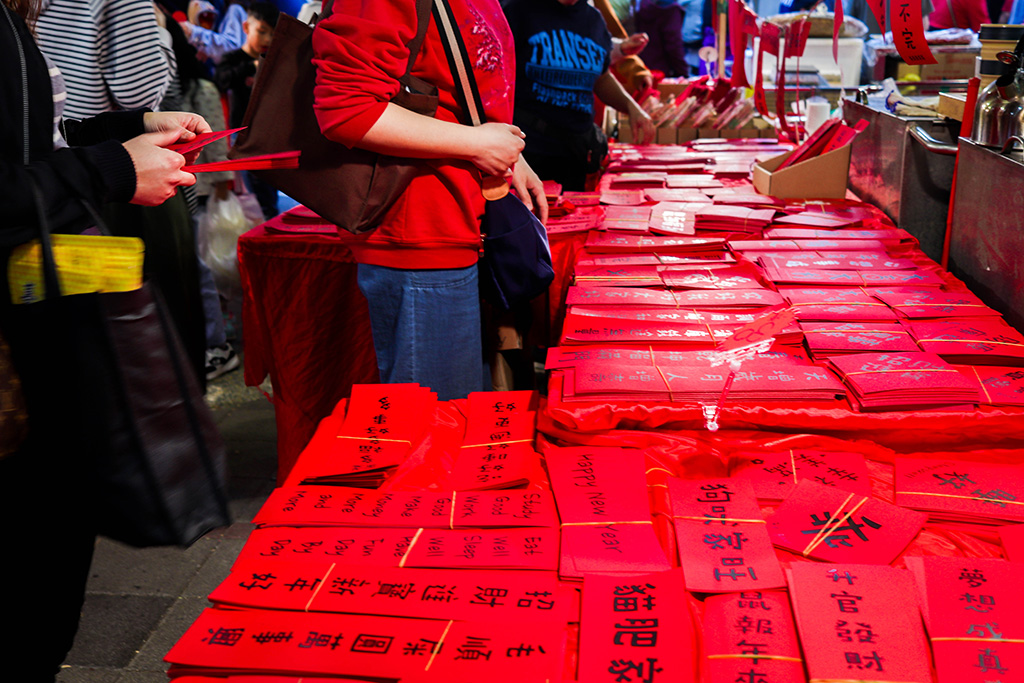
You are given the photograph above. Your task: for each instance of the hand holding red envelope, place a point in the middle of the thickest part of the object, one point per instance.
(260, 162)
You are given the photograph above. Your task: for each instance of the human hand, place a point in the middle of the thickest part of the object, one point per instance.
(641, 125)
(530, 189)
(635, 44)
(497, 147)
(644, 83)
(157, 169)
(186, 124)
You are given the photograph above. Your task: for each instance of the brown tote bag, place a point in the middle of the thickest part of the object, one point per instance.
(350, 187)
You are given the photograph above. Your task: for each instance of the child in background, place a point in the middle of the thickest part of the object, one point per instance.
(235, 75)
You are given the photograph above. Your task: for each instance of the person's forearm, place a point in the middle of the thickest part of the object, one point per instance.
(400, 132)
(610, 91)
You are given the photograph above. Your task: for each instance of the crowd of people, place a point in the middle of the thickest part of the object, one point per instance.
(93, 119)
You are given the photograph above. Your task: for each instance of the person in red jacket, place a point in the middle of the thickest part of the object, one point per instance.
(418, 269)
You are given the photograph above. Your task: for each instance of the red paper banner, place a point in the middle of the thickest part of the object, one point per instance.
(426, 548)
(250, 641)
(463, 595)
(908, 32)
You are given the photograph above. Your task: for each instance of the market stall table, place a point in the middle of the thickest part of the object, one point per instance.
(306, 324)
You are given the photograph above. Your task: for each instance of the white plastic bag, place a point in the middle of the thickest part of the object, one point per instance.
(219, 229)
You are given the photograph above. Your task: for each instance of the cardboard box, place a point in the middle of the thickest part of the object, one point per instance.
(821, 177)
(949, 66)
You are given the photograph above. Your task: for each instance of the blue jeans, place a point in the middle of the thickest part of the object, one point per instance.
(426, 327)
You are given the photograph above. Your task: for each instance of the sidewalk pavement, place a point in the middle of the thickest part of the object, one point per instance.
(140, 601)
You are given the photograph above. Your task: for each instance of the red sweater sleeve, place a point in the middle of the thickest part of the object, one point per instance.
(360, 53)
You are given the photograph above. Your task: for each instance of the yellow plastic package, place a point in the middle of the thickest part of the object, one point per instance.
(85, 264)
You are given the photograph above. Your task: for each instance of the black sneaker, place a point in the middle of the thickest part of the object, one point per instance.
(220, 360)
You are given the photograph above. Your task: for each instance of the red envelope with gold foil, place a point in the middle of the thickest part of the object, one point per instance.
(279, 642)
(721, 537)
(637, 628)
(774, 474)
(740, 276)
(972, 613)
(853, 278)
(886, 235)
(441, 548)
(839, 260)
(832, 525)
(740, 626)
(619, 276)
(465, 595)
(950, 490)
(859, 622)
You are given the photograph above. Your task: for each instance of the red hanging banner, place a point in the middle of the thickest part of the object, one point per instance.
(908, 32)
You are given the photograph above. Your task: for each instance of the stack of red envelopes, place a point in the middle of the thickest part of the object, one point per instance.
(774, 474)
(925, 303)
(859, 622)
(382, 423)
(836, 304)
(588, 328)
(687, 195)
(633, 180)
(623, 197)
(607, 243)
(740, 626)
(971, 611)
(503, 548)
(852, 278)
(961, 491)
(811, 219)
(1000, 386)
(739, 276)
(806, 245)
(675, 218)
(721, 536)
(693, 381)
(498, 447)
(971, 341)
(603, 505)
(887, 236)
(626, 218)
(827, 339)
(903, 381)
(834, 260)
(830, 524)
(740, 300)
(734, 218)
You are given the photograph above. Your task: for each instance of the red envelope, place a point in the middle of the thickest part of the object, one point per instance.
(202, 140)
(810, 219)
(623, 197)
(903, 381)
(740, 626)
(950, 490)
(775, 474)
(636, 628)
(828, 339)
(408, 649)
(439, 548)
(465, 595)
(833, 525)
(859, 622)
(879, 260)
(676, 218)
(853, 278)
(721, 536)
(602, 243)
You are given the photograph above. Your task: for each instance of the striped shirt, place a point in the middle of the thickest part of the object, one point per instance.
(109, 52)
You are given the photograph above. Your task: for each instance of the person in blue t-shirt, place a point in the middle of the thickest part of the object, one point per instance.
(562, 59)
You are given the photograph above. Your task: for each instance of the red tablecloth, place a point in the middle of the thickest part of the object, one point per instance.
(306, 326)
